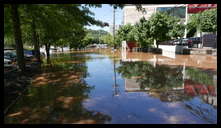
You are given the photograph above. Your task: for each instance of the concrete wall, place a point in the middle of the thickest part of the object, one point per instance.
(172, 48)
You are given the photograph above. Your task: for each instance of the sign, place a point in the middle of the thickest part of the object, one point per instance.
(196, 8)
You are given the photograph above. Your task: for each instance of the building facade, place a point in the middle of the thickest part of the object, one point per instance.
(132, 16)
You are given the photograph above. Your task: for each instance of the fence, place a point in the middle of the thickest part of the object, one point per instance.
(209, 40)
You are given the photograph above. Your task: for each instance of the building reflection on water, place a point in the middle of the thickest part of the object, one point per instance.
(176, 81)
(194, 87)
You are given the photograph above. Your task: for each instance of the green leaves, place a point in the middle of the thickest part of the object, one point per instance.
(126, 33)
(160, 26)
(108, 39)
(142, 33)
(205, 21)
(208, 22)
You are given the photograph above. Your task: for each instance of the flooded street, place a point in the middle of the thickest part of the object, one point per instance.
(102, 87)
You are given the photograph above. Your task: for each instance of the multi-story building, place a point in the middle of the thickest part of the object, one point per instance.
(131, 15)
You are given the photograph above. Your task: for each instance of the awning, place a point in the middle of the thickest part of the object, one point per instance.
(195, 8)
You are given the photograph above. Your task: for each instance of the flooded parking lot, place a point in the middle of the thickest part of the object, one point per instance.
(107, 87)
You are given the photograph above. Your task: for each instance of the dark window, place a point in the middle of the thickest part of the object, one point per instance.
(173, 11)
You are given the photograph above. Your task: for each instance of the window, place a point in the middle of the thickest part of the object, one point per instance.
(173, 11)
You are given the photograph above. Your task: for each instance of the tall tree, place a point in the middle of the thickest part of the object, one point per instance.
(142, 33)
(31, 10)
(205, 21)
(159, 27)
(208, 22)
(17, 36)
(176, 28)
(125, 33)
(109, 39)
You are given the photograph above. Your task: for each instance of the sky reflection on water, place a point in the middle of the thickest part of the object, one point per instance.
(154, 105)
(112, 90)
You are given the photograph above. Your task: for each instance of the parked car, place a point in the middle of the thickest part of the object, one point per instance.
(28, 53)
(196, 40)
(10, 55)
(7, 62)
(177, 42)
(187, 42)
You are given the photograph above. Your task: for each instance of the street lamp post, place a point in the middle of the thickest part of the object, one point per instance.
(186, 18)
(114, 26)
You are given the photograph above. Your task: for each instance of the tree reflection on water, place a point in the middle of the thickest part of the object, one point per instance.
(176, 83)
(148, 76)
(165, 82)
(56, 102)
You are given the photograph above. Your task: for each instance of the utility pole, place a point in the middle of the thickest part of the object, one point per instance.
(186, 19)
(116, 86)
(114, 26)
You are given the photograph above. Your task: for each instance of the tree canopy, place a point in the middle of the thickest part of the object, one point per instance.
(205, 21)
(160, 26)
(125, 33)
(208, 22)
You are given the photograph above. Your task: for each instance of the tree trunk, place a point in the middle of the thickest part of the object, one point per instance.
(62, 49)
(47, 48)
(35, 40)
(18, 36)
(157, 44)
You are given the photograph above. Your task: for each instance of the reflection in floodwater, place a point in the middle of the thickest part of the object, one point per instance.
(115, 86)
(173, 83)
(55, 96)
(141, 84)
(102, 87)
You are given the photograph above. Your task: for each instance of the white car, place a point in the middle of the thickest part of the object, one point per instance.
(7, 63)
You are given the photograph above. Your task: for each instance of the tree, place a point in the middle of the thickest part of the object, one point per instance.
(33, 13)
(53, 24)
(64, 22)
(142, 33)
(17, 36)
(193, 24)
(109, 39)
(8, 28)
(95, 36)
(176, 27)
(125, 33)
(159, 27)
(205, 21)
(208, 21)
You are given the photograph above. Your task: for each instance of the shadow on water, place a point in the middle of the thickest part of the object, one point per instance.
(57, 94)
(81, 87)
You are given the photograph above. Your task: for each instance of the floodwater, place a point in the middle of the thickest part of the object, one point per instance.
(121, 88)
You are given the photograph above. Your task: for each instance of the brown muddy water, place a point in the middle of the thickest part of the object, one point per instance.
(120, 88)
